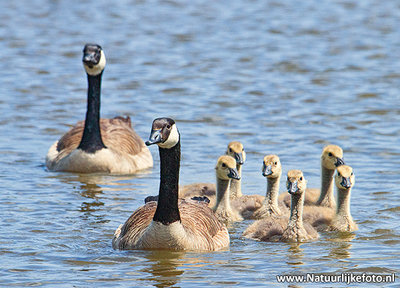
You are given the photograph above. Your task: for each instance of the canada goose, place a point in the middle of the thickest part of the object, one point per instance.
(236, 150)
(331, 157)
(225, 172)
(171, 223)
(344, 180)
(280, 228)
(272, 170)
(98, 145)
(325, 218)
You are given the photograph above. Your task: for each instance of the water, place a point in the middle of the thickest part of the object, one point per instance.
(282, 77)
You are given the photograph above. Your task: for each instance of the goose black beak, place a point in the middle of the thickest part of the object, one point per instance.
(239, 158)
(233, 174)
(339, 162)
(346, 183)
(155, 137)
(266, 171)
(89, 59)
(292, 187)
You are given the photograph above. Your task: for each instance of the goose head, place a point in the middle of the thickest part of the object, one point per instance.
(272, 167)
(296, 183)
(332, 157)
(236, 150)
(226, 168)
(93, 59)
(163, 133)
(344, 178)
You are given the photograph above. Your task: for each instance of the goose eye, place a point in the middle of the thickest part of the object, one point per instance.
(168, 126)
(330, 154)
(223, 165)
(276, 163)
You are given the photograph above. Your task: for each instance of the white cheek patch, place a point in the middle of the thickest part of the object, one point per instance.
(96, 70)
(172, 140)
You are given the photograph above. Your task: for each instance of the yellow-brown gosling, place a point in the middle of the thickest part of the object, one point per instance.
(171, 223)
(331, 157)
(282, 228)
(234, 149)
(272, 170)
(225, 171)
(98, 145)
(344, 180)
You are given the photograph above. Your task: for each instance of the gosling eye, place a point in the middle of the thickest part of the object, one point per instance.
(301, 178)
(230, 150)
(352, 173)
(338, 174)
(223, 165)
(276, 163)
(242, 149)
(330, 154)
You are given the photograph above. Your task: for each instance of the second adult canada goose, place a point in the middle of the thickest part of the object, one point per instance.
(235, 149)
(171, 223)
(272, 170)
(98, 145)
(282, 228)
(225, 171)
(331, 157)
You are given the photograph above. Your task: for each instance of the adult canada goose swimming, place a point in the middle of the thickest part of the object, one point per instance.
(225, 171)
(331, 157)
(235, 149)
(282, 228)
(272, 170)
(171, 223)
(98, 145)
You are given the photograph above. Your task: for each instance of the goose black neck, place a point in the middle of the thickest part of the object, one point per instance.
(167, 211)
(91, 139)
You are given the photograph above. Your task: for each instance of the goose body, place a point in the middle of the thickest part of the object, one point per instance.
(171, 223)
(282, 228)
(98, 145)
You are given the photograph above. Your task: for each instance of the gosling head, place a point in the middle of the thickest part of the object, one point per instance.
(93, 59)
(163, 133)
(236, 150)
(295, 183)
(344, 178)
(226, 168)
(332, 157)
(272, 167)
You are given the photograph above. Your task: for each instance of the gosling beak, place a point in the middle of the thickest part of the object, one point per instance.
(266, 171)
(233, 174)
(346, 183)
(239, 158)
(292, 187)
(155, 137)
(339, 162)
